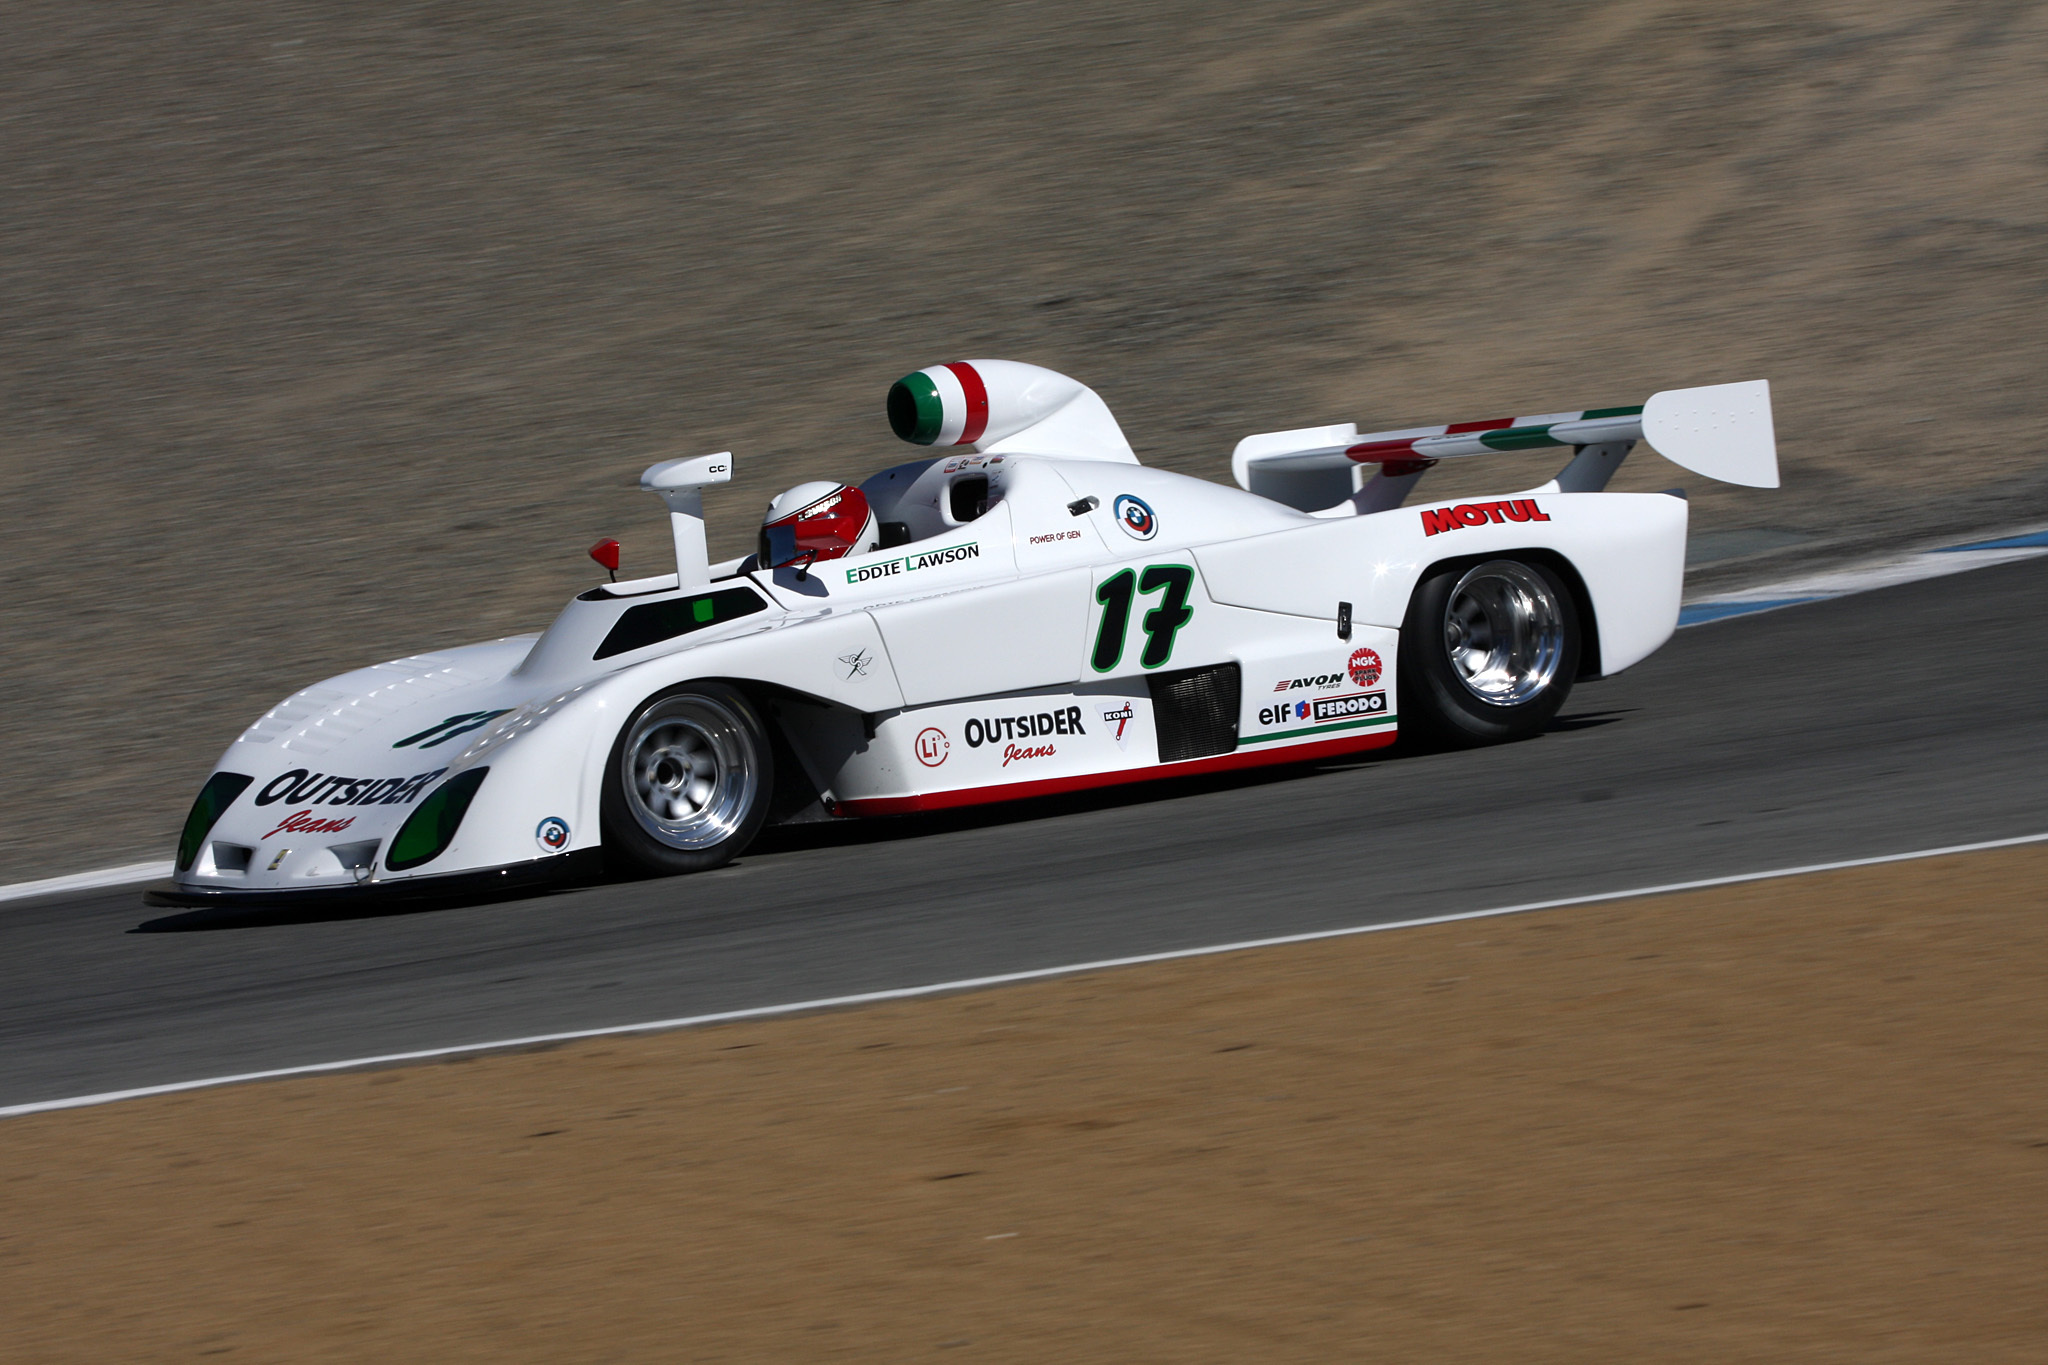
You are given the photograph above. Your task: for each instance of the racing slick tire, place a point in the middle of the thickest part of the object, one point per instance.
(1488, 653)
(688, 782)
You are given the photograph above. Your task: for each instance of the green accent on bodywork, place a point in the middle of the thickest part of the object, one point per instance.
(1362, 723)
(429, 830)
(449, 728)
(915, 410)
(702, 609)
(1518, 438)
(215, 797)
(1595, 414)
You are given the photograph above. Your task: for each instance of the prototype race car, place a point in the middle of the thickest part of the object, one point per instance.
(1035, 613)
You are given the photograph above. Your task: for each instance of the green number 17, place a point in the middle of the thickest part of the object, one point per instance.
(1160, 624)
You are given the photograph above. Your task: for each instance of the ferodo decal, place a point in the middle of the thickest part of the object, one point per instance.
(1321, 709)
(1364, 667)
(300, 788)
(1173, 583)
(1436, 519)
(1341, 708)
(923, 559)
(1064, 721)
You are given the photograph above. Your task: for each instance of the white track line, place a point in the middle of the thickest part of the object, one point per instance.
(87, 881)
(977, 982)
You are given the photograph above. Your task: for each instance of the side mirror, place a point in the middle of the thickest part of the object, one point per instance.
(680, 484)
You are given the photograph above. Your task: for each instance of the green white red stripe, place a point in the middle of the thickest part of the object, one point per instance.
(940, 405)
(1504, 433)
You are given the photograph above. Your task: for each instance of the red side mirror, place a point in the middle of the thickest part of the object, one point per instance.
(606, 553)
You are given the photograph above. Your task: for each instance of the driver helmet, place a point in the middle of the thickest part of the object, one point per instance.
(817, 520)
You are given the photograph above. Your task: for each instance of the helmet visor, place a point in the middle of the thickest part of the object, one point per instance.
(826, 529)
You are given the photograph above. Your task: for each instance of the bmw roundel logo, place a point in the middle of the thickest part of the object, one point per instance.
(1135, 516)
(552, 834)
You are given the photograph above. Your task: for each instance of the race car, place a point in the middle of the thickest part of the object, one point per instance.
(1026, 611)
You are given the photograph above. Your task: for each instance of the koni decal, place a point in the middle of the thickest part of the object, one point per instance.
(1439, 519)
(302, 788)
(912, 563)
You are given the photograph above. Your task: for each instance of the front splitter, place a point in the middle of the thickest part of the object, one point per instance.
(491, 884)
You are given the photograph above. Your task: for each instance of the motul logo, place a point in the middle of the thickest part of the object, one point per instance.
(1437, 519)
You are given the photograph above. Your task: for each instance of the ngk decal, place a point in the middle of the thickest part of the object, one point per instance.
(1436, 519)
(1364, 667)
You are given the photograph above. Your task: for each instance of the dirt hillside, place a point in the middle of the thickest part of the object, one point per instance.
(332, 333)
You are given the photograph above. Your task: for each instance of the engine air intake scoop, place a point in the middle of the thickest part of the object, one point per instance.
(1005, 407)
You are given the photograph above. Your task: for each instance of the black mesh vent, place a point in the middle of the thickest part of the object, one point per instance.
(1195, 712)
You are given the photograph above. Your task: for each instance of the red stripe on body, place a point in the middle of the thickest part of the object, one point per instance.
(1496, 424)
(977, 402)
(1054, 786)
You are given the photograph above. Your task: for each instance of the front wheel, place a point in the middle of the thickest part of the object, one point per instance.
(1488, 653)
(687, 785)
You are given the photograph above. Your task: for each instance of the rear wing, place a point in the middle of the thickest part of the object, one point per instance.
(1723, 431)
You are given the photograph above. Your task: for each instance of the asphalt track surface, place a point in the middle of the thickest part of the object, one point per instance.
(1899, 719)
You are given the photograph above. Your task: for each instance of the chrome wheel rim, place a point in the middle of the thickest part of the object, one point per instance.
(1504, 631)
(688, 771)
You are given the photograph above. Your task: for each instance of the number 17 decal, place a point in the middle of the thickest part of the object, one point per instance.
(1173, 582)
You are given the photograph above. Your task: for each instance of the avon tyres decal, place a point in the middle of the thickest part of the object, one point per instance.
(1173, 583)
(923, 559)
(302, 788)
(1436, 519)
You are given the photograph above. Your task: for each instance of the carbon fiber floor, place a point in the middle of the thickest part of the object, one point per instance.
(1899, 719)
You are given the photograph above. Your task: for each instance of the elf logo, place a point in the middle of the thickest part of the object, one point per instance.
(1437, 519)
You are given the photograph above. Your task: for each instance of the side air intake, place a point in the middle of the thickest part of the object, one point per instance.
(1195, 712)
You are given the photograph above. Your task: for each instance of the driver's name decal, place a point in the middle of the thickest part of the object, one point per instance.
(923, 559)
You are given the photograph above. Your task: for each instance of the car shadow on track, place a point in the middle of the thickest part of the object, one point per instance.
(824, 834)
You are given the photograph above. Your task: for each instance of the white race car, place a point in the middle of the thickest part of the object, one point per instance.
(1033, 612)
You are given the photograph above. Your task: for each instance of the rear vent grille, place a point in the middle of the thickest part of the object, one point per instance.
(1195, 712)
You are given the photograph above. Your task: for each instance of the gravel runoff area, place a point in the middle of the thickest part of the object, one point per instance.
(1797, 1119)
(330, 333)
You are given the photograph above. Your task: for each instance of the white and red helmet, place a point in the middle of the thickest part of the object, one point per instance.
(816, 521)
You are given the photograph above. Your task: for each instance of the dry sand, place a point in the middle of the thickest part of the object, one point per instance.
(329, 333)
(1803, 1119)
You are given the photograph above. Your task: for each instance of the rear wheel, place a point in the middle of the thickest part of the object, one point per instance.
(688, 782)
(1488, 652)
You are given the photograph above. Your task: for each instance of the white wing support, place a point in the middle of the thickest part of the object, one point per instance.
(1723, 431)
(680, 484)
